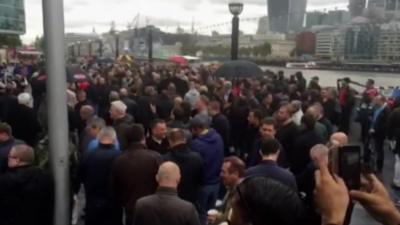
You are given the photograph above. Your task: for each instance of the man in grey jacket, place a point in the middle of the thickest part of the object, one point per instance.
(165, 207)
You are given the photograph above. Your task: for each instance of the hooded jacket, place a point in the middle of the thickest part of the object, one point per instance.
(211, 148)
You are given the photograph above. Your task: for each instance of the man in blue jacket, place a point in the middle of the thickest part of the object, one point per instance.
(208, 143)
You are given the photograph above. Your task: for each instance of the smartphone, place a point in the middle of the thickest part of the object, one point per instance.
(349, 166)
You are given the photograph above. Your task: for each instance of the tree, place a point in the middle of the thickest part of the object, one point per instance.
(10, 40)
(265, 49)
(39, 43)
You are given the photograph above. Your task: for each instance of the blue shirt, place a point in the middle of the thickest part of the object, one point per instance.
(95, 144)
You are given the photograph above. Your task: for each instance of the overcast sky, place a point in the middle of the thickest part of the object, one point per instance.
(84, 15)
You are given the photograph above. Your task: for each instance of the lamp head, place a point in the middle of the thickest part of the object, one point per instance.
(236, 8)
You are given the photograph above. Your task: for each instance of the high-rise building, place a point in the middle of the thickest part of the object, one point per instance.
(263, 25)
(286, 15)
(12, 16)
(356, 7)
(314, 19)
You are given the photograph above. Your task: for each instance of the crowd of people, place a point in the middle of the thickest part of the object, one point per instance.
(160, 144)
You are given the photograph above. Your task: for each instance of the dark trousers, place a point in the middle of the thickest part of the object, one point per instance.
(379, 153)
(96, 215)
(207, 198)
(344, 125)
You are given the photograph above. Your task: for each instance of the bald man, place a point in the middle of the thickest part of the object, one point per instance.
(26, 191)
(165, 207)
(339, 139)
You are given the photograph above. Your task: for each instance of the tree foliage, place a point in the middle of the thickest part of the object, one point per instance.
(10, 40)
(39, 43)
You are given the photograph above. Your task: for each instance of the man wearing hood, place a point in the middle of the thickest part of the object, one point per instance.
(208, 143)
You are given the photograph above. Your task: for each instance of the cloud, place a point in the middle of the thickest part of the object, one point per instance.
(83, 15)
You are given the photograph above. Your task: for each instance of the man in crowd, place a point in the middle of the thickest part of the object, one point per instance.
(7, 141)
(304, 142)
(165, 207)
(190, 164)
(208, 143)
(121, 121)
(346, 101)
(157, 141)
(270, 149)
(201, 110)
(378, 130)
(134, 171)
(132, 106)
(297, 112)
(94, 172)
(287, 130)
(231, 174)
(267, 131)
(26, 192)
(253, 129)
(220, 123)
(24, 121)
(319, 128)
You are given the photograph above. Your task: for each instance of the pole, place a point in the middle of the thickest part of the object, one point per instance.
(101, 48)
(116, 46)
(150, 44)
(90, 48)
(235, 38)
(53, 21)
(79, 49)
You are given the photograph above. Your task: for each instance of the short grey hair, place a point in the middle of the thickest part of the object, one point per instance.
(107, 132)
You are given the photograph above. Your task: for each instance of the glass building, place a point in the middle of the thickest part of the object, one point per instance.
(286, 15)
(12, 16)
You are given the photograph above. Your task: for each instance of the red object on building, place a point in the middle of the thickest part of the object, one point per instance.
(305, 43)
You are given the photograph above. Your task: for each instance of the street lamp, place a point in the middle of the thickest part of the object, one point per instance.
(101, 46)
(90, 47)
(116, 45)
(235, 8)
(150, 43)
(79, 49)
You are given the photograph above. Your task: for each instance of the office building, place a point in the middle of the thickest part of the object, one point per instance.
(12, 17)
(286, 15)
(314, 18)
(357, 7)
(263, 25)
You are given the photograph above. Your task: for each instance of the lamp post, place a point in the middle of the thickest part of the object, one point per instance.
(150, 43)
(79, 49)
(90, 47)
(235, 8)
(53, 24)
(116, 45)
(100, 46)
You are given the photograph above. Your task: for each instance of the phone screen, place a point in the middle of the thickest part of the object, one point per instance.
(350, 166)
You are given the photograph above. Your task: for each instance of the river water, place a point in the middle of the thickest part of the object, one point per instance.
(329, 77)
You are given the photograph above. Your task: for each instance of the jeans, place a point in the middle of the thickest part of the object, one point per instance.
(207, 198)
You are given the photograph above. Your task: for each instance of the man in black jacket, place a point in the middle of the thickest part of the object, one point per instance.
(190, 163)
(94, 172)
(24, 121)
(26, 192)
(220, 123)
(165, 207)
(287, 130)
(378, 130)
(157, 141)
